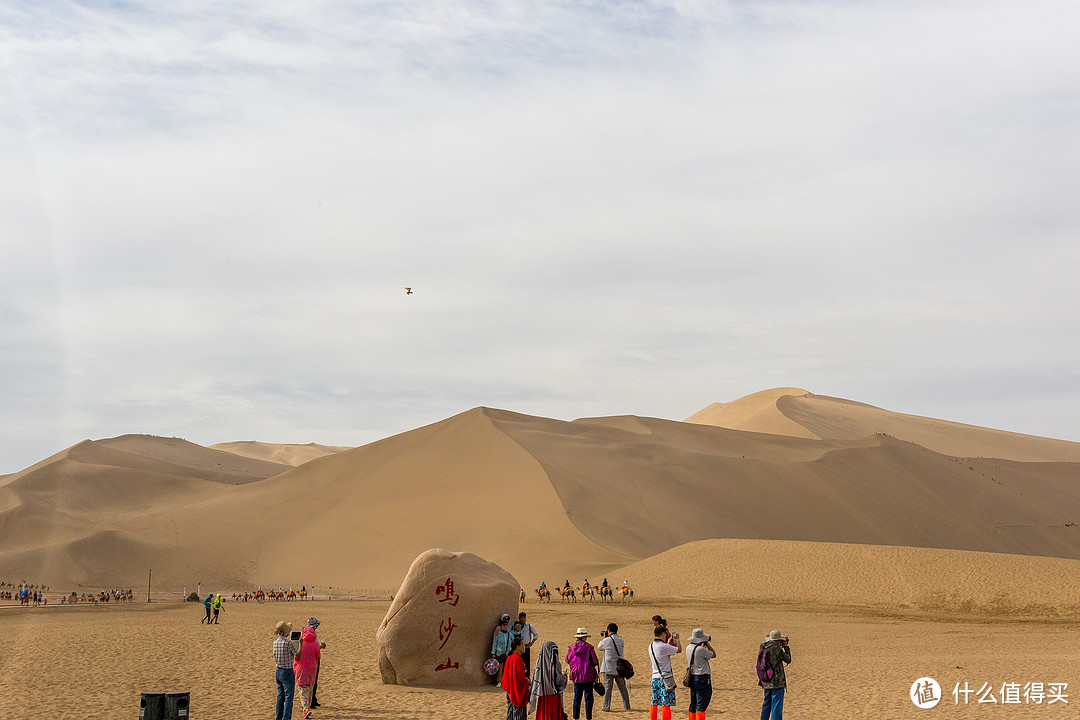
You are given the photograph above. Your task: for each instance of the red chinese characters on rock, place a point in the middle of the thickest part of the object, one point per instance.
(446, 629)
(447, 591)
(446, 594)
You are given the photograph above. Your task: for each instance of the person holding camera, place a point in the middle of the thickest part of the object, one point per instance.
(698, 653)
(663, 677)
(285, 651)
(777, 654)
(613, 647)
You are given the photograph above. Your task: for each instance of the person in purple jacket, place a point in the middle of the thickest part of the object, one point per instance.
(581, 657)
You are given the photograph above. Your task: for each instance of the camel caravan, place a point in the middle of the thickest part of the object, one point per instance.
(588, 593)
(279, 595)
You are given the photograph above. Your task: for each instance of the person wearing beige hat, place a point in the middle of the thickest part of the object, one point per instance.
(774, 653)
(581, 657)
(284, 652)
(698, 654)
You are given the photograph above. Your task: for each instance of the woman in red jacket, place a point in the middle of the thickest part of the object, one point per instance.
(515, 683)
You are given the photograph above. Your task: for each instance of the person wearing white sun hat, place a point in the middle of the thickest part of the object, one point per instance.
(698, 653)
(581, 657)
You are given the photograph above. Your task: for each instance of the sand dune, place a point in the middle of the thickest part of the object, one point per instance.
(718, 483)
(100, 509)
(795, 412)
(544, 498)
(283, 453)
(757, 412)
(887, 578)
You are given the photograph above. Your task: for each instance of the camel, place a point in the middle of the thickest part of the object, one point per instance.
(606, 595)
(568, 593)
(544, 594)
(627, 595)
(587, 593)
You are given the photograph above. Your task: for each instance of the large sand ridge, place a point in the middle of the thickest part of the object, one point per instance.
(938, 548)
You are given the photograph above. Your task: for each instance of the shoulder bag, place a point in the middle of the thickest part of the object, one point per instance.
(623, 668)
(686, 675)
(668, 677)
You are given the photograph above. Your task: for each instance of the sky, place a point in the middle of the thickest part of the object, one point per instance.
(209, 213)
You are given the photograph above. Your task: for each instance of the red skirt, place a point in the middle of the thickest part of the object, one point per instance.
(549, 707)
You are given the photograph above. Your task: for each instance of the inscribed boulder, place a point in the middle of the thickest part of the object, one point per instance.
(439, 627)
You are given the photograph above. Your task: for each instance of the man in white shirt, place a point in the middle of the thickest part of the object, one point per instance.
(613, 646)
(698, 654)
(528, 637)
(663, 679)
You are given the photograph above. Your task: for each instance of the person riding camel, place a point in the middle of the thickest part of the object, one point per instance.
(585, 587)
(603, 584)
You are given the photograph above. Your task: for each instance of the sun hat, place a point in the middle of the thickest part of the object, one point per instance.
(286, 626)
(313, 622)
(699, 636)
(581, 632)
(774, 635)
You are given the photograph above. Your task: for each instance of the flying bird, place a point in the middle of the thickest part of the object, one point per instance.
(408, 291)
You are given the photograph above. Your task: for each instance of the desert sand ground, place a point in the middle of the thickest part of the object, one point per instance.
(94, 662)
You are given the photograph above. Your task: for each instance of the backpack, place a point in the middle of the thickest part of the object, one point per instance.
(764, 672)
(623, 668)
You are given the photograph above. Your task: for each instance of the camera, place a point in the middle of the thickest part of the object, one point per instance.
(295, 636)
(603, 633)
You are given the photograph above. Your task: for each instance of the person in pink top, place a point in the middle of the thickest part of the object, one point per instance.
(306, 666)
(581, 657)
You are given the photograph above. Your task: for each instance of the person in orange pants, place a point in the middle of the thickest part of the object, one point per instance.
(698, 653)
(663, 678)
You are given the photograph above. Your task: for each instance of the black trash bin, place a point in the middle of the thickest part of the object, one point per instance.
(152, 706)
(176, 705)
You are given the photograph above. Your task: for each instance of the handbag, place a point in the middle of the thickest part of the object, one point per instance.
(623, 668)
(686, 675)
(598, 688)
(668, 677)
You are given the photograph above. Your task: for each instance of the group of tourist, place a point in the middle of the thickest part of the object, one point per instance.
(104, 596)
(542, 693)
(34, 595)
(297, 656)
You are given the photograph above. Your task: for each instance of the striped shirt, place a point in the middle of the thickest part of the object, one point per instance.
(284, 651)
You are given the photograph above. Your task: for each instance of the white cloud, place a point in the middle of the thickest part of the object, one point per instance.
(212, 211)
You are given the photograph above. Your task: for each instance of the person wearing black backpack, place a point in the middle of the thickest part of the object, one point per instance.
(773, 654)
